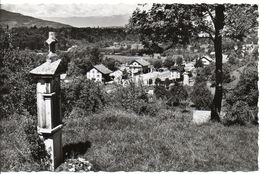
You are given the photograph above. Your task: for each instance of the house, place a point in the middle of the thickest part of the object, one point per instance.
(99, 73)
(176, 72)
(117, 76)
(206, 60)
(137, 46)
(139, 66)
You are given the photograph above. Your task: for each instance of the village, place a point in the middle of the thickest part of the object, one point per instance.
(166, 87)
(141, 71)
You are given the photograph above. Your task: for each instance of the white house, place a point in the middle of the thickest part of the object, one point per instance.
(99, 73)
(176, 72)
(117, 76)
(139, 66)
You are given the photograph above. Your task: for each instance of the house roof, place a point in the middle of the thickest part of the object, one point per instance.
(101, 68)
(142, 62)
(207, 58)
(177, 68)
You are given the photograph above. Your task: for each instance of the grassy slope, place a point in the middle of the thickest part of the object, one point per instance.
(121, 141)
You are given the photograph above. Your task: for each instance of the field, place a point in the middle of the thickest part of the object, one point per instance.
(115, 140)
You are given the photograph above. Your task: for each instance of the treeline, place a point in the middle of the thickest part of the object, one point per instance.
(34, 38)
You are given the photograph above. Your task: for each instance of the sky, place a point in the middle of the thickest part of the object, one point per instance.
(65, 8)
(85, 8)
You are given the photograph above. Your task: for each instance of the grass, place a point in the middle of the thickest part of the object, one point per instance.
(14, 148)
(122, 141)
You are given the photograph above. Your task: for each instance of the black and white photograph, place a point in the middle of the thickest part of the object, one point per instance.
(129, 86)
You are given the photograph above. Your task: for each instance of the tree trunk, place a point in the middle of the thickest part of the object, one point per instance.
(219, 24)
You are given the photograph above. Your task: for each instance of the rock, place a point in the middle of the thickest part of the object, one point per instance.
(201, 116)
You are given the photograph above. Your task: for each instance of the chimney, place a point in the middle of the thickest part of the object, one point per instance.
(51, 41)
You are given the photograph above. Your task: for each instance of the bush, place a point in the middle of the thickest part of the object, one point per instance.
(160, 92)
(131, 97)
(239, 113)
(21, 147)
(246, 89)
(177, 94)
(84, 94)
(36, 145)
(201, 96)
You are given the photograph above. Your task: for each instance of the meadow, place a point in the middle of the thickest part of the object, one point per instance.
(116, 140)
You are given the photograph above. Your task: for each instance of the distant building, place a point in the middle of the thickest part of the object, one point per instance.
(177, 72)
(137, 46)
(156, 55)
(206, 60)
(99, 73)
(139, 66)
(117, 76)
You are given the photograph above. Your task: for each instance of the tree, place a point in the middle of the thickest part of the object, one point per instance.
(177, 23)
(179, 61)
(167, 82)
(198, 63)
(168, 62)
(201, 96)
(111, 63)
(177, 94)
(157, 64)
(158, 81)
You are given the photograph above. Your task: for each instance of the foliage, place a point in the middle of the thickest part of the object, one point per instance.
(21, 147)
(179, 61)
(158, 81)
(33, 38)
(246, 89)
(158, 23)
(177, 94)
(157, 64)
(199, 63)
(160, 92)
(131, 97)
(245, 95)
(36, 145)
(226, 74)
(125, 74)
(201, 96)
(84, 94)
(20, 89)
(239, 113)
(111, 63)
(168, 62)
(82, 59)
(160, 18)
(167, 82)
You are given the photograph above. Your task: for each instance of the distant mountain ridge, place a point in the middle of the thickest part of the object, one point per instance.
(93, 21)
(18, 20)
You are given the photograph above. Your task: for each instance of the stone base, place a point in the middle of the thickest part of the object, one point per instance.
(53, 144)
(201, 117)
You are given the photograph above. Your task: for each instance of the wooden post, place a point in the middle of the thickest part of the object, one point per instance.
(48, 104)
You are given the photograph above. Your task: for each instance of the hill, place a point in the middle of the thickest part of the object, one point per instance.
(18, 20)
(93, 21)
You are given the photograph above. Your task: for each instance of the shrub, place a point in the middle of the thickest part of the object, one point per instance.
(239, 113)
(36, 145)
(131, 97)
(177, 94)
(201, 96)
(246, 89)
(21, 147)
(158, 81)
(160, 92)
(84, 94)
